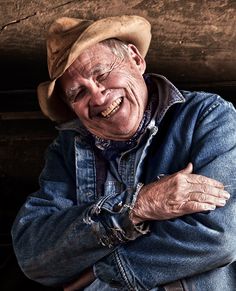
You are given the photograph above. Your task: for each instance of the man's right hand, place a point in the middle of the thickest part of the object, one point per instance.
(176, 195)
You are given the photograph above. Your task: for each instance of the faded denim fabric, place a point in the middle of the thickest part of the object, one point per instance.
(66, 227)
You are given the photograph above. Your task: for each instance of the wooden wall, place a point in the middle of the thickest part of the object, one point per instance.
(193, 41)
(193, 44)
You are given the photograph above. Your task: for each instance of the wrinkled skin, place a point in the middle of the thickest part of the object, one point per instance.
(97, 82)
(173, 196)
(90, 86)
(178, 194)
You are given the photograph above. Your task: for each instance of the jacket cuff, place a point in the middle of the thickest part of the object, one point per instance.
(110, 218)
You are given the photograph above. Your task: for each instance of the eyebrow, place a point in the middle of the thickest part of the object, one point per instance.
(99, 68)
(71, 92)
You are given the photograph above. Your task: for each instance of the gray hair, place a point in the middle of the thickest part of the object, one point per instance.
(118, 48)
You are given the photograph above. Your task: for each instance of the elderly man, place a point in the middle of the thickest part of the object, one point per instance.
(129, 196)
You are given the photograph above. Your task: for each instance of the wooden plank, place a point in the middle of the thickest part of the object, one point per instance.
(28, 115)
(22, 146)
(193, 41)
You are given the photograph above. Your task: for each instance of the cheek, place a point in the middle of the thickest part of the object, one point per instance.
(122, 78)
(115, 82)
(81, 109)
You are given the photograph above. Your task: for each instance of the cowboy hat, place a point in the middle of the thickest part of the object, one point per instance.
(69, 37)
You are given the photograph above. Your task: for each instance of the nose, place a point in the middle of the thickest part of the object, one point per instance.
(98, 94)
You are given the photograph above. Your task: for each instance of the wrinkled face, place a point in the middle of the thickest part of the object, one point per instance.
(106, 92)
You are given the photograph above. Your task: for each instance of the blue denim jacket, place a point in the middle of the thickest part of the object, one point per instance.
(67, 226)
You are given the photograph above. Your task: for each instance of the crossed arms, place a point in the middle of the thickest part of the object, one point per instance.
(54, 244)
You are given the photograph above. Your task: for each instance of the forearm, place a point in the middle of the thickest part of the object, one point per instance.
(174, 249)
(54, 245)
(51, 249)
(57, 235)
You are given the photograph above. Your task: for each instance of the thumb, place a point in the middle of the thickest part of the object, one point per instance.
(188, 169)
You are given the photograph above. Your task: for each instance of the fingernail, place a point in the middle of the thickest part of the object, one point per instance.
(222, 201)
(211, 207)
(227, 195)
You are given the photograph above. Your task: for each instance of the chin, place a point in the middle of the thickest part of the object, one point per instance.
(120, 136)
(121, 133)
(112, 136)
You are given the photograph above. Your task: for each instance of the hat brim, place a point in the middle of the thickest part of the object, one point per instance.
(51, 104)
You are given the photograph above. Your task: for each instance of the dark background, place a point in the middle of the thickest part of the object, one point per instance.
(193, 45)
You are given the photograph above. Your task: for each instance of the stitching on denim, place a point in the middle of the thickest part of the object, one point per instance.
(97, 207)
(94, 176)
(210, 109)
(78, 148)
(76, 168)
(122, 271)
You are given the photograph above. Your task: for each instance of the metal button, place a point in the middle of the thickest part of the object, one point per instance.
(117, 207)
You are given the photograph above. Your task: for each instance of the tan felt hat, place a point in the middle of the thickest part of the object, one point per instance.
(68, 37)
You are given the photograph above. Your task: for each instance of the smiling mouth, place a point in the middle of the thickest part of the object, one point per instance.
(112, 108)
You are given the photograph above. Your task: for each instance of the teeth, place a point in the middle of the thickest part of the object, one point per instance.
(113, 108)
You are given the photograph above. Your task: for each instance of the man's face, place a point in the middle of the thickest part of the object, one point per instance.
(107, 93)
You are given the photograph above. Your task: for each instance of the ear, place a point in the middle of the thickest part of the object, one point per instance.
(137, 57)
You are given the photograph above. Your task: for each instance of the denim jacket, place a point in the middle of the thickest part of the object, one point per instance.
(68, 226)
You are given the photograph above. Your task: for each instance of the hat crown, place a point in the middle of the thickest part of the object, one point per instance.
(62, 34)
(68, 37)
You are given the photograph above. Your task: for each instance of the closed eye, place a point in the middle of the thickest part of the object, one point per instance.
(81, 92)
(103, 76)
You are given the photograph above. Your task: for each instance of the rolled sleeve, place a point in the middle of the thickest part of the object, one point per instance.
(110, 218)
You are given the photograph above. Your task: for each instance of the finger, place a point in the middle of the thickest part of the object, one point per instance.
(199, 179)
(193, 207)
(84, 280)
(188, 169)
(209, 199)
(209, 190)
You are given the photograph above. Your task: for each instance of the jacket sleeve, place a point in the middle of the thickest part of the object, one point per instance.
(193, 244)
(54, 237)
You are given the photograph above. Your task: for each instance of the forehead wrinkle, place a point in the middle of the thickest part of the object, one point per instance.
(75, 69)
(80, 69)
(108, 66)
(88, 68)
